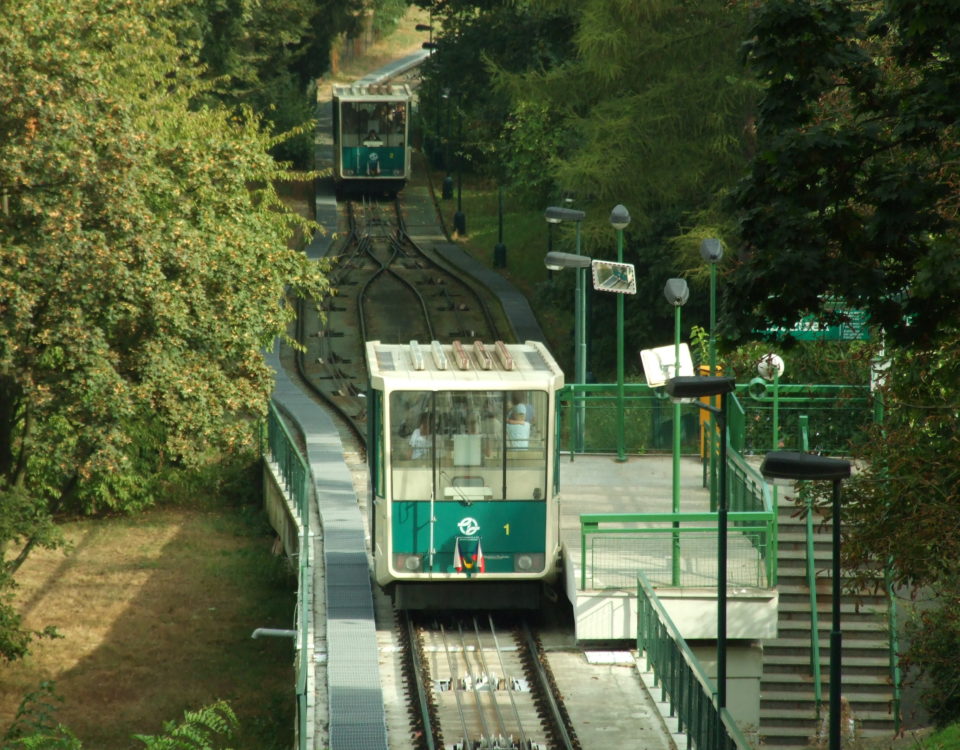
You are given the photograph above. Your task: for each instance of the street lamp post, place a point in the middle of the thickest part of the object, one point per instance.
(446, 191)
(696, 387)
(557, 215)
(711, 250)
(460, 218)
(677, 293)
(556, 261)
(500, 249)
(789, 467)
(619, 219)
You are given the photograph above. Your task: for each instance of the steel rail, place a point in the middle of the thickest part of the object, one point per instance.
(509, 686)
(453, 686)
(556, 717)
(426, 717)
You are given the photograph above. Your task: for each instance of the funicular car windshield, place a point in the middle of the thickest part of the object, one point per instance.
(468, 446)
(373, 124)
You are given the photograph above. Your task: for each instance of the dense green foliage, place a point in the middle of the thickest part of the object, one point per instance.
(852, 196)
(143, 259)
(852, 192)
(604, 102)
(266, 54)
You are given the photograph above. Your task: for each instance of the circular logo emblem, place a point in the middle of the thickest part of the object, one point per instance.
(468, 526)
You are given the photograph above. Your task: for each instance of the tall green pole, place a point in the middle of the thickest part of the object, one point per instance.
(621, 438)
(711, 250)
(676, 448)
(619, 219)
(711, 444)
(580, 336)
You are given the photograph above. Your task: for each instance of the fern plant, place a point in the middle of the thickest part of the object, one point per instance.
(203, 729)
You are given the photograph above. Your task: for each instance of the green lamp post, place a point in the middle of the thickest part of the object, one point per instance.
(619, 219)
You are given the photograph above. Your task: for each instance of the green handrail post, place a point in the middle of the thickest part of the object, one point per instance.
(681, 678)
(815, 670)
(804, 422)
(896, 677)
(586, 527)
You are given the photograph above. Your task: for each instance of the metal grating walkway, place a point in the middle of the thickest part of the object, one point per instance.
(355, 709)
(355, 697)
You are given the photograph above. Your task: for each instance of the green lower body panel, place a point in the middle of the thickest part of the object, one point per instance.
(387, 162)
(499, 536)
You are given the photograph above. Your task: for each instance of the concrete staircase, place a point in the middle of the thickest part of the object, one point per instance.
(788, 715)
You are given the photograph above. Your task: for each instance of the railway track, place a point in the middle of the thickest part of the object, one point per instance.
(477, 685)
(387, 288)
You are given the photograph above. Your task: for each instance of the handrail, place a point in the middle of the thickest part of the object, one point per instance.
(741, 521)
(815, 661)
(837, 410)
(895, 675)
(295, 473)
(682, 678)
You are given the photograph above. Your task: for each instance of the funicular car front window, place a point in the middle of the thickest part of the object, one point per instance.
(468, 445)
(373, 123)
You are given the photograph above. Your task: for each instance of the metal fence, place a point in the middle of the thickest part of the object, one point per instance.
(294, 473)
(836, 416)
(683, 682)
(674, 549)
(762, 416)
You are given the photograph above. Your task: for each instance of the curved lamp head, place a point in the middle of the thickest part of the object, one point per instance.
(685, 387)
(711, 249)
(619, 217)
(557, 261)
(555, 215)
(676, 291)
(790, 466)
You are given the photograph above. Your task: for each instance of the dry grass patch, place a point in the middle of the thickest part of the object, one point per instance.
(156, 614)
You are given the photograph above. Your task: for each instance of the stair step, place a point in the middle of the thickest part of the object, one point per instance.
(773, 697)
(786, 680)
(878, 644)
(872, 624)
(801, 603)
(848, 661)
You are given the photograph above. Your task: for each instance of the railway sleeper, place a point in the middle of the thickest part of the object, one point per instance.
(497, 743)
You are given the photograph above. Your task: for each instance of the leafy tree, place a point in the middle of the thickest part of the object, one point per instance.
(621, 102)
(266, 54)
(143, 261)
(852, 195)
(852, 192)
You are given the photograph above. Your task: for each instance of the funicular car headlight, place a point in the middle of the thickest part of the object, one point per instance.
(410, 563)
(525, 562)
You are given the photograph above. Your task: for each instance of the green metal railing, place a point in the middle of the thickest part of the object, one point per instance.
(648, 419)
(836, 415)
(613, 547)
(294, 473)
(747, 492)
(895, 674)
(681, 678)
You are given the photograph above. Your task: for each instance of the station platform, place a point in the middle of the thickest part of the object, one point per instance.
(605, 608)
